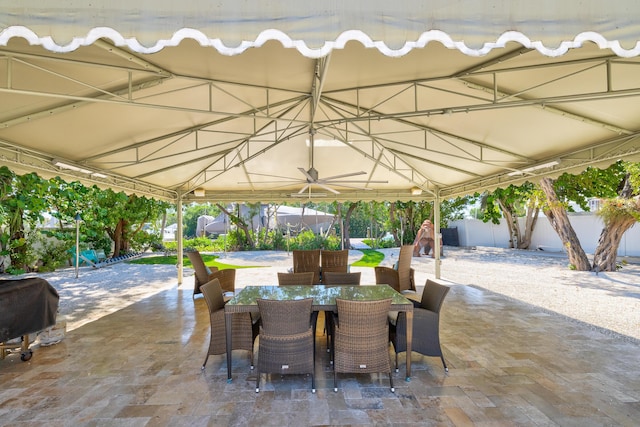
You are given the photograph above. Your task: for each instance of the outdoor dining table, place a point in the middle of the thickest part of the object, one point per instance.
(324, 299)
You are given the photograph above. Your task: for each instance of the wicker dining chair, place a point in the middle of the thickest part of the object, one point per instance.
(285, 279)
(426, 324)
(361, 343)
(204, 274)
(331, 278)
(335, 261)
(402, 276)
(287, 338)
(244, 330)
(307, 260)
(334, 278)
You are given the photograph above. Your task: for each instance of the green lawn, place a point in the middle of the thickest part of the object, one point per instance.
(370, 258)
(209, 260)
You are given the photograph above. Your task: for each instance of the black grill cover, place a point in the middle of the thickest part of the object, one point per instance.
(26, 306)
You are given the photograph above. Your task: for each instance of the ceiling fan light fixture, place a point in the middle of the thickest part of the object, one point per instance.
(198, 192)
(416, 191)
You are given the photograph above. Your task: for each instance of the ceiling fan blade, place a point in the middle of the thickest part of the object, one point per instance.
(290, 182)
(326, 187)
(275, 176)
(306, 174)
(352, 181)
(346, 175)
(304, 188)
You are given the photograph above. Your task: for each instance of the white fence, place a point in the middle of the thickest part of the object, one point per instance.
(472, 232)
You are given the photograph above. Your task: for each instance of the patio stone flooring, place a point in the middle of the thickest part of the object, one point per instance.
(510, 364)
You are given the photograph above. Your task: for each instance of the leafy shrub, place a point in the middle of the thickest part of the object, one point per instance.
(379, 243)
(201, 244)
(97, 240)
(236, 241)
(142, 241)
(279, 240)
(52, 253)
(309, 240)
(23, 254)
(332, 243)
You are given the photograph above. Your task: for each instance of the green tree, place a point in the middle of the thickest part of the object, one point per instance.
(244, 240)
(513, 202)
(454, 209)
(618, 186)
(66, 199)
(21, 205)
(121, 216)
(346, 236)
(405, 218)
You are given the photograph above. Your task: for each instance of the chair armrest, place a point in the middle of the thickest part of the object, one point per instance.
(420, 315)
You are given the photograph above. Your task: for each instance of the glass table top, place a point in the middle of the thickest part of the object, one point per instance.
(322, 295)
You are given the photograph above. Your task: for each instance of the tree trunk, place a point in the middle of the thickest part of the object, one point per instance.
(341, 224)
(606, 254)
(330, 227)
(530, 223)
(117, 239)
(163, 225)
(559, 220)
(392, 220)
(235, 219)
(345, 232)
(512, 224)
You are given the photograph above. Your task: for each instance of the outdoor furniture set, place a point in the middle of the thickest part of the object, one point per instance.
(361, 321)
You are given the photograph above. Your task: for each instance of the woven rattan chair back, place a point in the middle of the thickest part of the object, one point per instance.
(337, 261)
(286, 279)
(227, 279)
(433, 296)
(244, 331)
(201, 271)
(400, 278)
(361, 338)
(212, 293)
(426, 325)
(286, 344)
(335, 278)
(404, 267)
(307, 260)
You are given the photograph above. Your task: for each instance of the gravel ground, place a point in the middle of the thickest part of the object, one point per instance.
(607, 301)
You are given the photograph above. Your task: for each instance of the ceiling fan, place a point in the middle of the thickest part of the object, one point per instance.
(311, 178)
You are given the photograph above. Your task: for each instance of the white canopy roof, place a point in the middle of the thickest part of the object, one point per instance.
(241, 99)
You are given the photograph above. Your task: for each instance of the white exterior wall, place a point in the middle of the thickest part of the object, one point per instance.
(473, 232)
